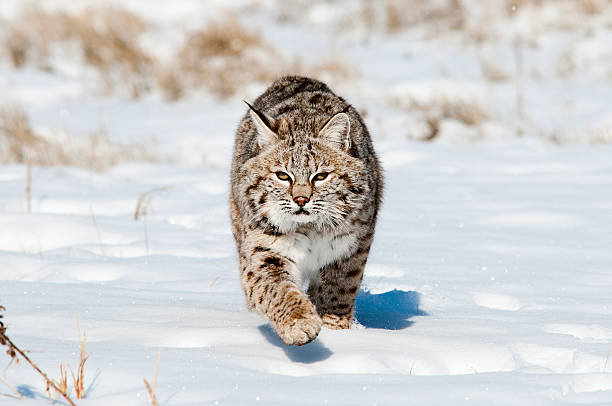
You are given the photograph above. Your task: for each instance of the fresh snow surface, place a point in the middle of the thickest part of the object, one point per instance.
(489, 282)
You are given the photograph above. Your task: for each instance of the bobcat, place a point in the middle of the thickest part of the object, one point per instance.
(306, 186)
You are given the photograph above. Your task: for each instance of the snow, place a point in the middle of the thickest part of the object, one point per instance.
(488, 282)
(455, 295)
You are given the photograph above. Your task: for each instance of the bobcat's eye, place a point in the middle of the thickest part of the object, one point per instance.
(282, 176)
(320, 176)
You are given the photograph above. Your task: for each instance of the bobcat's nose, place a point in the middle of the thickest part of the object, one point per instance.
(301, 200)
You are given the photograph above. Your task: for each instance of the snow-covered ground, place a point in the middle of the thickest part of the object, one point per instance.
(488, 284)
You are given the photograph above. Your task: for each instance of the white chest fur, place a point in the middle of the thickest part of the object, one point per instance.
(313, 251)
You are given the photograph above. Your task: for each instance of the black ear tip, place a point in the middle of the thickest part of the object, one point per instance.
(259, 114)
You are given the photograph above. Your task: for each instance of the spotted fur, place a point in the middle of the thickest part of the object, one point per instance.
(306, 186)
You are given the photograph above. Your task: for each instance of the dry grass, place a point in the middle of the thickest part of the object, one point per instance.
(593, 136)
(31, 36)
(494, 72)
(28, 188)
(78, 380)
(106, 38)
(170, 84)
(98, 232)
(562, 15)
(477, 23)
(431, 114)
(20, 143)
(467, 111)
(566, 65)
(393, 16)
(585, 7)
(15, 352)
(143, 207)
(15, 395)
(4, 340)
(62, 382)
(329, 69)
(223, 56)
(151, 388)
(60, 386)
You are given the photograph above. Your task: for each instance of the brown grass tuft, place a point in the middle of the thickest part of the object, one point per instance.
(329, 69)
(78, 380)
(19, 143)
(475, 24)
(170, 83)
(31, 36)
(106, 37)
(4, 340)
(226, 37)
(493, 72)
(468, 112)
(430, 115)
(223, 57)
(62, 383)
(583, 7)
(14, 352)
(393, 16)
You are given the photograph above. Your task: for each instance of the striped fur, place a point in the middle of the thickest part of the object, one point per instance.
(299, 142)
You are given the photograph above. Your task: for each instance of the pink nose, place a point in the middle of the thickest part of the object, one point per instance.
(300, 200)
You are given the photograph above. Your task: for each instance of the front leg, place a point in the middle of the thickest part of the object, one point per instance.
(335, 294)
(270, 287)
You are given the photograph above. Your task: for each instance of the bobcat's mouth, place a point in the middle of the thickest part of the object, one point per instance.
(302, 211)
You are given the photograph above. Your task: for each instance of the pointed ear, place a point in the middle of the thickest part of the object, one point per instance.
(265, 135)
(337, 131)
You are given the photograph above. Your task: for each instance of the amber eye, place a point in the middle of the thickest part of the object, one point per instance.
(282, 176)
(320, 176)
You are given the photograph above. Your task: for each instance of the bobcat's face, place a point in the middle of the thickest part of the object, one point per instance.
(302, 177)
(312, 183)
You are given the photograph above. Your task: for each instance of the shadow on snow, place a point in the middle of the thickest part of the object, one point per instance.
(312, 352)
(389, 310)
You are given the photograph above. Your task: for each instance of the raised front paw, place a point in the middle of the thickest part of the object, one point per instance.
(300, 328)
(337, 322)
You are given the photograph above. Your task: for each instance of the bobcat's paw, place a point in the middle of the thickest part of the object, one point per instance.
(300, 330)
(337, 322)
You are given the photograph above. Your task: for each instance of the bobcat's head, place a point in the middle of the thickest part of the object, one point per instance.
(303, 176)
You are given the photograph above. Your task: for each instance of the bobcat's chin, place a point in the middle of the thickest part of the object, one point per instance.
(303, 218)
(289, 221)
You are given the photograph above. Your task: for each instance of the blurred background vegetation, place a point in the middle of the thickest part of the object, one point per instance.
(458, 70)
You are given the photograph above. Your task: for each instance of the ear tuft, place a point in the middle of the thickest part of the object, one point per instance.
(337, 131)
(265, 136)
